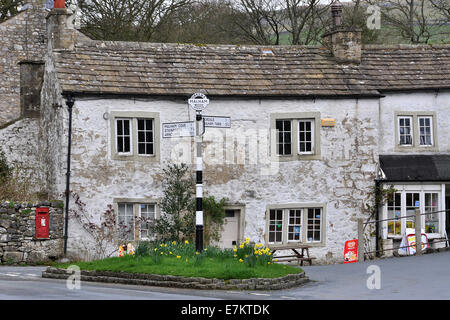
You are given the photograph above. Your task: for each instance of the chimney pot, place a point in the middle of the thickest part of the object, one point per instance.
(60, 4)
(336, 13)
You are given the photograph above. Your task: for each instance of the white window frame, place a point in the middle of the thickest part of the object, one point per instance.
(278, 142)
(422, 189)
(295, 155)
(136, 204)
(130, 136)
(411, 130)
(314, 230)
(285, 209)
(141, 237)
(294, 224)
(282, 226)
(312, 122)
(126, 215)
(431, 130)
(145, 138)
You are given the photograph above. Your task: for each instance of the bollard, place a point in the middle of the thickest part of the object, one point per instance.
(418, 226)
(360, 240)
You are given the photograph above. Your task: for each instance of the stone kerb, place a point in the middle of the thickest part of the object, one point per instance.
(289, 281)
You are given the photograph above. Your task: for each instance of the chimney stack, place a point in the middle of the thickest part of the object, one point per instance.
(344, 43)
(61, 33)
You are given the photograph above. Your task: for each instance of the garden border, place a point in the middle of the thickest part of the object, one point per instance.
(289, 281)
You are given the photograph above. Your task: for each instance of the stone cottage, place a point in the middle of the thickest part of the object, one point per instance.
(313, 129)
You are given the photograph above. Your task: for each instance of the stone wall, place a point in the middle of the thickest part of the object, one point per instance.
(286, 282)
(22, 38)
(17, 233)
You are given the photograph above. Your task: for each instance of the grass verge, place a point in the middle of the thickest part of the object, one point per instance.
(209, 267)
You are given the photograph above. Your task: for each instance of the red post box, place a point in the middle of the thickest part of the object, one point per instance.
(42, 223)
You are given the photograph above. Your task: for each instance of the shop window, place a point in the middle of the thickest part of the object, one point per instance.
(431, 205)
(394, 210)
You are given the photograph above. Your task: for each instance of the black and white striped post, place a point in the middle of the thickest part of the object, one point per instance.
(198, 102)
(199, 184)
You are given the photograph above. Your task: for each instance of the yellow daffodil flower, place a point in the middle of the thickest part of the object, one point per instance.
(178, 257)
(196, 252)
(174, 242)
(186, 242)
(240, 260)
(268, 262)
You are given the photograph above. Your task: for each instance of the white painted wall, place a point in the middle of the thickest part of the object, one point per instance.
(342, 180)
(438, 102)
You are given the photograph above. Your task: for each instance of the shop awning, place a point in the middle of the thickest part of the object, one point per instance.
(416, 167)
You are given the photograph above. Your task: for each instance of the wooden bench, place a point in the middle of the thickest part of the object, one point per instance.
(300, 257)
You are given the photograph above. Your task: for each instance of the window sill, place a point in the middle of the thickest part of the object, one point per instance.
(296, 157)
(415, 148)
(288, 246)
(134, 157)
(430, 236)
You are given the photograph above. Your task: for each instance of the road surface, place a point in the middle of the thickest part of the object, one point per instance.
(422, 277)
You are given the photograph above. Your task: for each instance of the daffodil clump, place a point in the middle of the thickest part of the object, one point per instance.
(252, 254)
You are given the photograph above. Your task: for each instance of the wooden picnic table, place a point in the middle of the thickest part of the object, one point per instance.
(300, 253)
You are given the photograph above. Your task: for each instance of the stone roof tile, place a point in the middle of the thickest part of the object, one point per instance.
(176, 69)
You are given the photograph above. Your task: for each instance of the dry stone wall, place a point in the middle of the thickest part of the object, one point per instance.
(17, 233)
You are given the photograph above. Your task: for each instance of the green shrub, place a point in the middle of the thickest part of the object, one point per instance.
(143, 249)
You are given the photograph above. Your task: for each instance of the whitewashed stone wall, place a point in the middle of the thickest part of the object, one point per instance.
(438, 102)
(20, 143)
(342, 180)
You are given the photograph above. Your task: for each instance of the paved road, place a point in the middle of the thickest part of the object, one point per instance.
(424, 277)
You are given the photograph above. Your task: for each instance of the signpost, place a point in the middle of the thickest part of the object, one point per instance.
(198, 102)
(178, 129)
(217, 122)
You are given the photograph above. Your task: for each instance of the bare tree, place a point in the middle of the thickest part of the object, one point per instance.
(9, 8)
(129, 20)
(305, 20)
(259, 21)
(355, 17)
(412, 19)
(205, 21)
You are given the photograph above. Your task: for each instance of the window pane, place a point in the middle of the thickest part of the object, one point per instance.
(405, 136)
(119, 127)
(126, 144)
(126, 127)
(125, 220)
(425, 131)
(284, 137)
(140, 125)
(314, 225)
(431, 206)
(275, 225)
(294, 226)
(119, 144)
(394, 212)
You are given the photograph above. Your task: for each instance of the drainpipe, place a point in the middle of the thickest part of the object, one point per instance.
(377, 224)
(70, 102)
